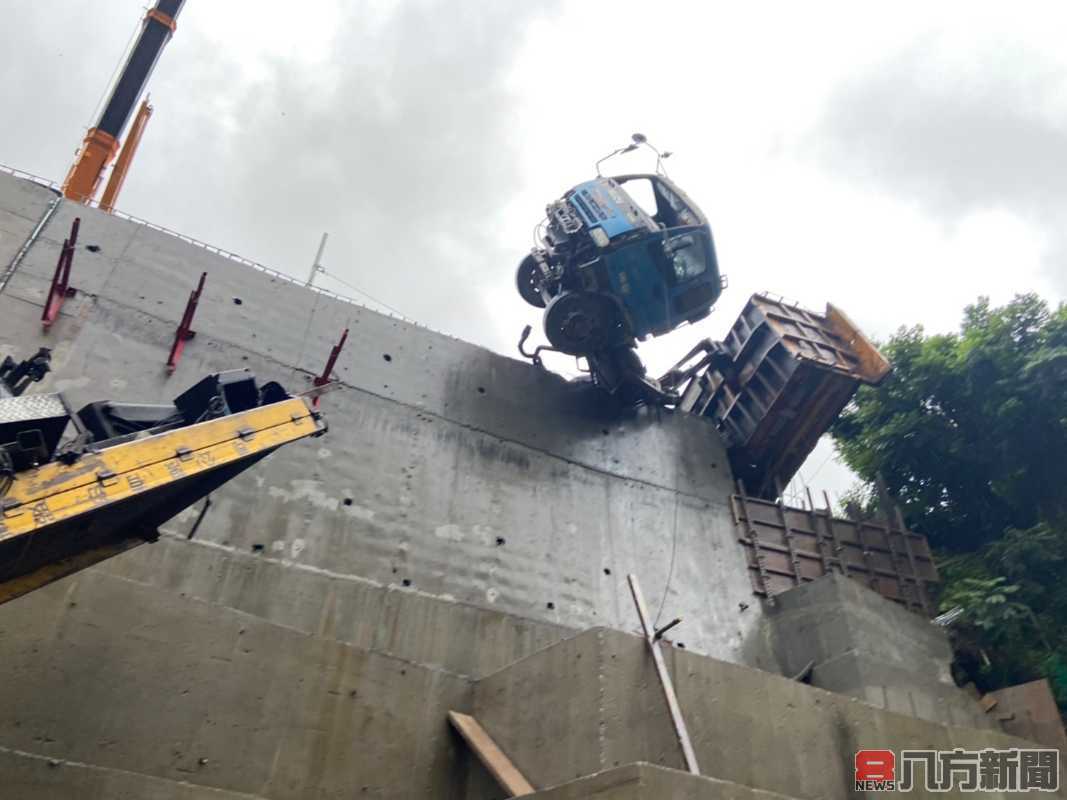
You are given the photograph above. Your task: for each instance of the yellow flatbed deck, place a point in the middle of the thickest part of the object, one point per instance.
(60, 518)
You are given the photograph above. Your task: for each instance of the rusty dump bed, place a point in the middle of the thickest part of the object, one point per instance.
(794, 370)
(58, 518)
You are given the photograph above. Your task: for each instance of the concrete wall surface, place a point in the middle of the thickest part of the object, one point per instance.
(593, 703)
(448, 469)
(869, 647)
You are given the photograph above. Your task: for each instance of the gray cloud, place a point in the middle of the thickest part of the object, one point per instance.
(402, 148)
(957, 136)
(402, 145)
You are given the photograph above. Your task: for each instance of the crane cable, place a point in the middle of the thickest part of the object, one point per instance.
(370, 297)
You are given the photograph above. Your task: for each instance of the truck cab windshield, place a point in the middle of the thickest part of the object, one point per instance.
(685, 256)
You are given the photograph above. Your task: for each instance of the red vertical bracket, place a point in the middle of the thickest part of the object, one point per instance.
(185, 331)
(61, 288)
(335, 351)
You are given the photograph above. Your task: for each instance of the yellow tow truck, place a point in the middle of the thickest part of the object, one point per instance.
(70, 501)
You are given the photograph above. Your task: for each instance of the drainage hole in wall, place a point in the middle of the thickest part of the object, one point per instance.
(481, 390)
(406, 581)
(347, 501)
(257, 548)
(238, 301)
(681, 645)
(387, 357)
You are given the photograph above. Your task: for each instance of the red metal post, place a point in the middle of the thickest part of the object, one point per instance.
(185, 331)
(335, 351)
(60, 289)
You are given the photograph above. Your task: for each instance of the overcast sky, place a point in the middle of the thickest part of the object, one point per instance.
(897, 160)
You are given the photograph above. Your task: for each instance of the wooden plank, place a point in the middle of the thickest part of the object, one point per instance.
(499, 765)
(664, 678)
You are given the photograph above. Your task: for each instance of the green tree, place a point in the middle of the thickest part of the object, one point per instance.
(969, 434)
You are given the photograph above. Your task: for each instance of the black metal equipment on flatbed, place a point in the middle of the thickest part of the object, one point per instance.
(66, 504)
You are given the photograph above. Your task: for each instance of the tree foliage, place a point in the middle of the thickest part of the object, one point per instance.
(969, 434)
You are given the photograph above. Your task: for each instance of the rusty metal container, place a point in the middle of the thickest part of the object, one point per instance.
(794, 371)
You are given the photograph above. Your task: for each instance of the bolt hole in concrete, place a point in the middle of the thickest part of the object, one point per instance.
(387, 357)
(607, 570)
(348, 501)
(257, 548)
(481, 390)
(237, 301)
(550, 605)
(500, 541)
(93, 248)
(406, 581)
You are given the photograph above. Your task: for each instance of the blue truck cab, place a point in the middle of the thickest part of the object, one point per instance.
(611, 270)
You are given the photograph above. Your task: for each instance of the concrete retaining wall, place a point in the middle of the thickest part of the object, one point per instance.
(448, 469)
(465, 513)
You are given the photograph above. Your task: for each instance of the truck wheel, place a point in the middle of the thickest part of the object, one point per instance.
(580, 322)
(527, 280)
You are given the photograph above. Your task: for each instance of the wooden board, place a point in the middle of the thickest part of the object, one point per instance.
(507, 774)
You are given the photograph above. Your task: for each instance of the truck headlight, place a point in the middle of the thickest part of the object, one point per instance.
(599, 237)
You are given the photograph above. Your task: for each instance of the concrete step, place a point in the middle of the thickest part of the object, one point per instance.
(593, 702)
(121, 678)
(641, 781)
(31, 776)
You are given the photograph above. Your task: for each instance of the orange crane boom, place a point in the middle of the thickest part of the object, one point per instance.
(129, 150)
(101, 143)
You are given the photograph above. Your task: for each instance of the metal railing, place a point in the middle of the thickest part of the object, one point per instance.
(218, 251)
